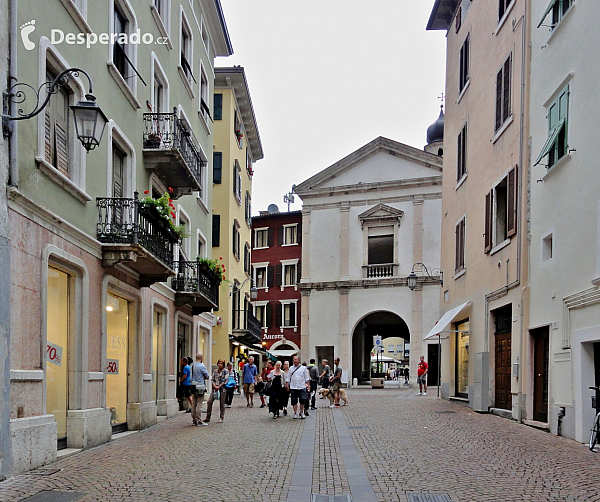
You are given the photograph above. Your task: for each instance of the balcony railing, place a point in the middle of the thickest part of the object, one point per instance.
(192, 278)
(381, 270)
(244, 320)
(124, 221)
(164, 132)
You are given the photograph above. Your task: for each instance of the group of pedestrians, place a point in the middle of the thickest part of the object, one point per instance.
(296, 385)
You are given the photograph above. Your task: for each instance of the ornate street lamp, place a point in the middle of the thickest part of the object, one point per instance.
(90, 120)
(412, 278)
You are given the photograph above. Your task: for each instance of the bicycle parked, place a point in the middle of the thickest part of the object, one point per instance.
(595, 433)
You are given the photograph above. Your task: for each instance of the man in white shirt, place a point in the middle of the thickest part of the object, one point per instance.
(298, 379)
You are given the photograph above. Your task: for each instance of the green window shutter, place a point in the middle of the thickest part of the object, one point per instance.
(218, 106)
(217, 167)
(550, 141)
(216, 230)
(547, 11)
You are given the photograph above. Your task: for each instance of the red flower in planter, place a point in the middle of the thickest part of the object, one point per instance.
(173, 214)
(146, 192)
(170, 190)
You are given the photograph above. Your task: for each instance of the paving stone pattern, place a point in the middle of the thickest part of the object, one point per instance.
(396, 442)
(329, 473)
(411, 448)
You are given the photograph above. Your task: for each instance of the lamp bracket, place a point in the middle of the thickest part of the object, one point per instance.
(430, 272)
(17, 94)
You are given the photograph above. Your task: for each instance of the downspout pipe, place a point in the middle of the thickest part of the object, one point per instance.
(12, 77)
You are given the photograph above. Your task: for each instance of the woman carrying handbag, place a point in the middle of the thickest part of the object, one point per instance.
(232, 384)
(219, 379)
(277, 390)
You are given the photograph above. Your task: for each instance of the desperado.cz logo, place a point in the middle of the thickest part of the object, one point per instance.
(89, 39)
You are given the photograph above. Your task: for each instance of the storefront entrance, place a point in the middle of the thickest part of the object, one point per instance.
(461, 356)
(57, 351)
(433, 365)
(117, 347)
(502, 338)
(540, 374)
(156, 340)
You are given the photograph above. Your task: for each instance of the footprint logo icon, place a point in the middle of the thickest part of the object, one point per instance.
(26, 30)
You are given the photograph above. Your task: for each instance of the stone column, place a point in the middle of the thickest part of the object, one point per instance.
(416, 332)
(305, 272)
(344, 340)
(418, 229)
(305, 348)
(344, 241)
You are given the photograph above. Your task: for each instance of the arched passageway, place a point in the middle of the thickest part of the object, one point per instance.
(383, 323)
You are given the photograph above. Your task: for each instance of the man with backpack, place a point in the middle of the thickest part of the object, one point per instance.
(313, 372)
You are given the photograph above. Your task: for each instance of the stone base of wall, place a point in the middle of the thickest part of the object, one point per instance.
(33, 442)
(88, 428)
(141, 415)
(167, 407)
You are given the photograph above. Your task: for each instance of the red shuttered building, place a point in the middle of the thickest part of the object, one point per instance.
(276, 271)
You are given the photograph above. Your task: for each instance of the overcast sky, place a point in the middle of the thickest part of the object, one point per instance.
(328, 76)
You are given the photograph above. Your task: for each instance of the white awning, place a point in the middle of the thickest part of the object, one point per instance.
(283, 353)
(384, 359)
(445, 320)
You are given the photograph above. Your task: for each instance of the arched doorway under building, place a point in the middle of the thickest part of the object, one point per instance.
(382, 323)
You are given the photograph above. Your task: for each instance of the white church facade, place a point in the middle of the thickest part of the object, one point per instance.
(367, 219)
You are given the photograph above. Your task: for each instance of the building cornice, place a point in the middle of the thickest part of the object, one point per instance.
(234, 78)
(390, 282)
(419, 198)
(372, 187)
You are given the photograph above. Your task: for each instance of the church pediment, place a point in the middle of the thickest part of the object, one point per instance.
(381, 214)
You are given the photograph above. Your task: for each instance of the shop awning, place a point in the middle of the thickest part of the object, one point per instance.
(283, 352)
(385, 359)
(445, 320)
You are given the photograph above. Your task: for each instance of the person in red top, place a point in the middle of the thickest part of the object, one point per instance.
(422, 368)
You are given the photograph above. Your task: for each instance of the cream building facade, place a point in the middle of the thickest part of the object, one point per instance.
(236, 147)
(564, 325)
(485, 181)
(366, 220)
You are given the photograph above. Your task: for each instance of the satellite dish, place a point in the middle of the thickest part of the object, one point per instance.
(272, 209)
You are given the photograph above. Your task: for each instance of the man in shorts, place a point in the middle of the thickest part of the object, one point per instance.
(297, 381)
(422, 368)
(336, 383)
(249, 373)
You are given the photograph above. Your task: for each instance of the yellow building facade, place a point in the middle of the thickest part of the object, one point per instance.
(236, 147)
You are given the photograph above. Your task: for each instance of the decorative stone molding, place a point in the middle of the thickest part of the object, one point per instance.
(578, 300)
(379, 215)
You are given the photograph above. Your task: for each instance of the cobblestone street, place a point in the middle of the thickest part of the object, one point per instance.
(386, 445)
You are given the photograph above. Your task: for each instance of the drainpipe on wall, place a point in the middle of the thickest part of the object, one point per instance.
(12, 78)
(521, 358)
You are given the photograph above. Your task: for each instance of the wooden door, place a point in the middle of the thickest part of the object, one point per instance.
(503, 395)
(540, 375)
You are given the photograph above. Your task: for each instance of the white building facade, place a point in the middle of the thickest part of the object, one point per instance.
(564, 328)
(366, 220)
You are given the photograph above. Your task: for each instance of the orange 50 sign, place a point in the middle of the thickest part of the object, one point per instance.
(112, 366)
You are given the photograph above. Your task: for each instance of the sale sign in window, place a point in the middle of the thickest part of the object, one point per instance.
(117, 346)
(57, 343)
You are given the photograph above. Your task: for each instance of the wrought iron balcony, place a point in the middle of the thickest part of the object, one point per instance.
(171, 149)
(380, 271)
(247, 327)
(132, 235)
(195, 285)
